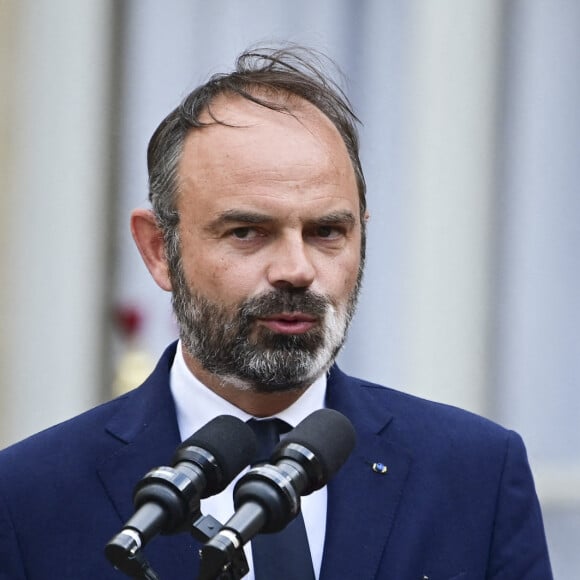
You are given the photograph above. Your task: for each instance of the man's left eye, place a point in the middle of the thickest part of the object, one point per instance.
(242, 233)
(327, 232)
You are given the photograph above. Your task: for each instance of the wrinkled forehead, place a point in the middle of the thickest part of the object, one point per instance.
(238, 127)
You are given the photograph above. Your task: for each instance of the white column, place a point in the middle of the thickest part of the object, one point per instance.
(453, 75)
(54, 166)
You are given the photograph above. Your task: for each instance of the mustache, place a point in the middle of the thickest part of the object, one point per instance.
(305, 301)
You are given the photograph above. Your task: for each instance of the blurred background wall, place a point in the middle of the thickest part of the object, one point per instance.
(470, 141)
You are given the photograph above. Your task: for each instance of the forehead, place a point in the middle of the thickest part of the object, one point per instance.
(255, 146)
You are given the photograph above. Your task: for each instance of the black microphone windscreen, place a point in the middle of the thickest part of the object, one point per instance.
(328, 434)
(232, 443)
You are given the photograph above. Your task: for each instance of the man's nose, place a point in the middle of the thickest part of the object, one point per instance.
(291, 265)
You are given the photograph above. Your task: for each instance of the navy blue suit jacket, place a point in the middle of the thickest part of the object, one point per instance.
(457, 500)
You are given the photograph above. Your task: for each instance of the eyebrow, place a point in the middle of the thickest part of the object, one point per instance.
(337, 217)
(238, 216)
(251, 217)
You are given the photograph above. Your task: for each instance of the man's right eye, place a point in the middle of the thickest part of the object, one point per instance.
(246, 233)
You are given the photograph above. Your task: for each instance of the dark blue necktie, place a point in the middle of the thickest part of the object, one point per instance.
(284, 555)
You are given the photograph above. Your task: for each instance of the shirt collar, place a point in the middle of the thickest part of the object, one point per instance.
(196, 405)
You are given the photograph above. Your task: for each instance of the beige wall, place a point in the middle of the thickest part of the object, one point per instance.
(7, 49)
(56, 61)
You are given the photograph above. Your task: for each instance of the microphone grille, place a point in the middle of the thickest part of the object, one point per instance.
(329, 435)
(232, 444)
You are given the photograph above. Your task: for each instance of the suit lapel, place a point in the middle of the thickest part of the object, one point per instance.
(147, 434)
(362, 501)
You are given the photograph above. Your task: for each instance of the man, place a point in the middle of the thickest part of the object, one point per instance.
(258, 229)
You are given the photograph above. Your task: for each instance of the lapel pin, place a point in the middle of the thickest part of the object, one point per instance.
(379, 467)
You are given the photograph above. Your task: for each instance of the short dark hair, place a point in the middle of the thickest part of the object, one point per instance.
(259, 72)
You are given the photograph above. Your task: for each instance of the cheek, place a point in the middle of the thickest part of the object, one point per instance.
(340, 277)
(229, 281)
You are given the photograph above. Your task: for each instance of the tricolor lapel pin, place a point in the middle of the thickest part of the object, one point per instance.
(379, 467)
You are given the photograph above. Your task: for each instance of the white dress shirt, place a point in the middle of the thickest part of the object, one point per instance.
(196, 405)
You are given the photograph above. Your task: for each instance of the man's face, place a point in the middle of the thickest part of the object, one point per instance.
(270, 238)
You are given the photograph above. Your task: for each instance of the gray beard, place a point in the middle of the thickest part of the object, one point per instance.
(229, 344)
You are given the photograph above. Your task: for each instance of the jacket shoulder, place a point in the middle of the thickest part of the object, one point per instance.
(99, 430)
(411, 420)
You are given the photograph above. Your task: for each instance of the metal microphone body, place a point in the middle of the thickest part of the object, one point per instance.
(167, 497)
(267, 497)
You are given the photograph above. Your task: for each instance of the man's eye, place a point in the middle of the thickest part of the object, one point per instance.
(327, 232)
(244, 233)
(241, 233)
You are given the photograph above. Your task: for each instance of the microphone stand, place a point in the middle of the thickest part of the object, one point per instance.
(223, 563)
(125, 552)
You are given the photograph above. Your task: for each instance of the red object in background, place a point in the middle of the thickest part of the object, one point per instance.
(129, 320)
(134, 364)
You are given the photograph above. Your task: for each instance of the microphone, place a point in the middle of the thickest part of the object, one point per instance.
(267, 497)
(167, 498)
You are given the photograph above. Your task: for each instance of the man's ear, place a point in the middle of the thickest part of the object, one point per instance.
(149, 240)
